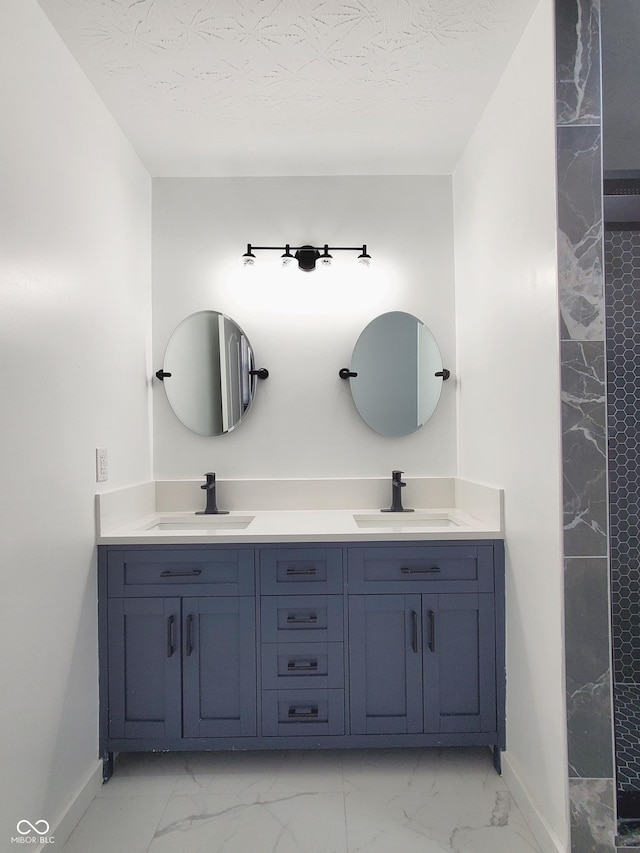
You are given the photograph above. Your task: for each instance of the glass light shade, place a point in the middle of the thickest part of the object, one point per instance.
(364, 257)
(325, 258)
(287, 258)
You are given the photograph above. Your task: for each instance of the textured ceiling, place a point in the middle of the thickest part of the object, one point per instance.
(293, 87)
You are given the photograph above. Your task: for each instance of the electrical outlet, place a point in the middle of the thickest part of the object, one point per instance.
(102, 472)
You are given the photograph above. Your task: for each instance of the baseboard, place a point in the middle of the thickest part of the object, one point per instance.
(75, 810)
(547, 840)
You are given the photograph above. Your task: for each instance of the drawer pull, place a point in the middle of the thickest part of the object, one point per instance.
(303, 712)
(302, 666)
(297, 619)
(432, 570)
(192, 573)
(170, 644)
(301, 571)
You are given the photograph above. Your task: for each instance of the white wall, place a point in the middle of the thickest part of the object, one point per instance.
(75, 298)
(303, 326)
(509, 417)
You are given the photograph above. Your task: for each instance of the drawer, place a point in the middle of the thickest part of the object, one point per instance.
(296, 665)
(301, 618)
(420, 568)
(294, 571)
(180, 571)
(302, 712)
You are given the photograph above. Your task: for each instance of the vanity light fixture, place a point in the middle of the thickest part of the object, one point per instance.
(306, 256)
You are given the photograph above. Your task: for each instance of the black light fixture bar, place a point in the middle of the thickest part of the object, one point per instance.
(297, 248)
(307, 255)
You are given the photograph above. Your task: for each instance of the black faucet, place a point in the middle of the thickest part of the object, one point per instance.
(396, 493)
(211, 508)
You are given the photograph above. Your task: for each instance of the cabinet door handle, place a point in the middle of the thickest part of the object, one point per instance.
(414, 570)
(189, 634)
(170, 644)
(301, 571)
(432, 631)
(294, 618)
(302, 665)
(191, 573)
(414, 631)
(303, 712)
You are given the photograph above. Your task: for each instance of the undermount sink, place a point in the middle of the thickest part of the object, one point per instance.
(405, 519)
(201, 523)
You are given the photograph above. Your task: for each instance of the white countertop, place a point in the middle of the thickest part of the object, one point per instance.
(164, 513)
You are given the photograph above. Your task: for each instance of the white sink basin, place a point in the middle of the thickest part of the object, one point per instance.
(405, 519)
(200, 523)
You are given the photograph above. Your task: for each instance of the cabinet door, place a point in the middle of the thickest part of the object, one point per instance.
(144, 668)
(459, 663)
(385, 664)
(219, 667)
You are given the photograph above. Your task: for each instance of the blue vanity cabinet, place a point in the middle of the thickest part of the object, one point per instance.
(422, 663)
(285, 646)
(422, 639)
(177, 645)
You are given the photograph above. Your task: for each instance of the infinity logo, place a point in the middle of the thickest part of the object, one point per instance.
(41, 827)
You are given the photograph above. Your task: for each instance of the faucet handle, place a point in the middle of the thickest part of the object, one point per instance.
(211, 479)
(396, 476)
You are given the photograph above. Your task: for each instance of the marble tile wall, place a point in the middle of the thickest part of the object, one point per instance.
(578, 62)
(587, 670)
(582, 334)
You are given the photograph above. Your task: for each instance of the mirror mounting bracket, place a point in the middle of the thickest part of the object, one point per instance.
(345, 373)
(160, 374)
(444, 373)
(261, 373)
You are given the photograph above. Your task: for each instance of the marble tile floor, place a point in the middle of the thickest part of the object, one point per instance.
(378, 801)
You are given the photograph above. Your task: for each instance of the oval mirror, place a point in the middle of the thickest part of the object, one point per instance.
(395, 360)
(207, 373)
